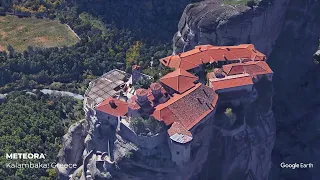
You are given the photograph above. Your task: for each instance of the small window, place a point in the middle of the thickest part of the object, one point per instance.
(178, 152)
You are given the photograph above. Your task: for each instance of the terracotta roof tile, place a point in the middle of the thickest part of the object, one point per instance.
(252, 67)
(136, 67)
(113, 107)
(207, 53)
(155, 86)
(148, 92)
(179, 80)
(236, 81)
(141, 92)
(179, 134)
(188, 108)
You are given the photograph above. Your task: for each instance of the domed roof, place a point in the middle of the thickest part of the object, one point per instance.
(155, 86)
(218, 73)
(141, 92)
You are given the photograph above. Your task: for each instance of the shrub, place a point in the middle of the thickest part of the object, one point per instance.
(316, 58)
(143, 83)
(79, 174)
(128, 155)
(251, 3)
(146, 126)
(231, 116)
(137, 125)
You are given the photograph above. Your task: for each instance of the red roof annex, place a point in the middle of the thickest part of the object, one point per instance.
(233, 82)
(179, 80)
(179, 134)
(252, 67)
(207, 53)
(113, 107)
(188, 108)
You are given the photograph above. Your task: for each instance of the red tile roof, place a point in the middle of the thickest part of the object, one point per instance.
(141, 92)
(208, 53)
(148, 92)
(179, 80)
(232, 82)
(155, 86)
(179, 134)
(188, 108)
(252, 67)
(113, 107)
(136, 67)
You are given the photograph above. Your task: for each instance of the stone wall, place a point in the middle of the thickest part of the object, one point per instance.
(180, 153)
(148, 142)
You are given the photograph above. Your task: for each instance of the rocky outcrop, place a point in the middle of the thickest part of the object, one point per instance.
(288, 32)
(72, 148)
(210, 22)
(242, 150)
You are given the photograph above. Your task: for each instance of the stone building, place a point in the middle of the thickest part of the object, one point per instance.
(179, 100)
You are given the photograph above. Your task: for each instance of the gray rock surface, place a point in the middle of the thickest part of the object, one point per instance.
(209, 22)
(242, 149)
(288, 32)
(72, 147)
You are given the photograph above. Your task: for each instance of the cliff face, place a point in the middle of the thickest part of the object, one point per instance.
(209, 22)
(239, 151)
(288, 32)
(244, 151)
(73, 147)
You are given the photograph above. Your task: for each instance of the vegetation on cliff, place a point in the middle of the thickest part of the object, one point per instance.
(146, 126)
(249, 3)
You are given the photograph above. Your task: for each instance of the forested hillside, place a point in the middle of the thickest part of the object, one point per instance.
(34, 123)
(114, 34)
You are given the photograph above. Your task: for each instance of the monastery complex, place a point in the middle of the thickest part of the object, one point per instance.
(183, 101)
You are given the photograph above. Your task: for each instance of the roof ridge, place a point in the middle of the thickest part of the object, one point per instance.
(180, 96)
(259, 62)
(233, 77)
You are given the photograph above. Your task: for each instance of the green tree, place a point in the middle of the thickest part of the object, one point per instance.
(33, 124)
(146, 126)
(137, 125)
(251, 3)
(231, 116)
(143, 83)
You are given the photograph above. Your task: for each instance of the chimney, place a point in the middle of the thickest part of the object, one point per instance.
(156, 89)
(112, 104)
